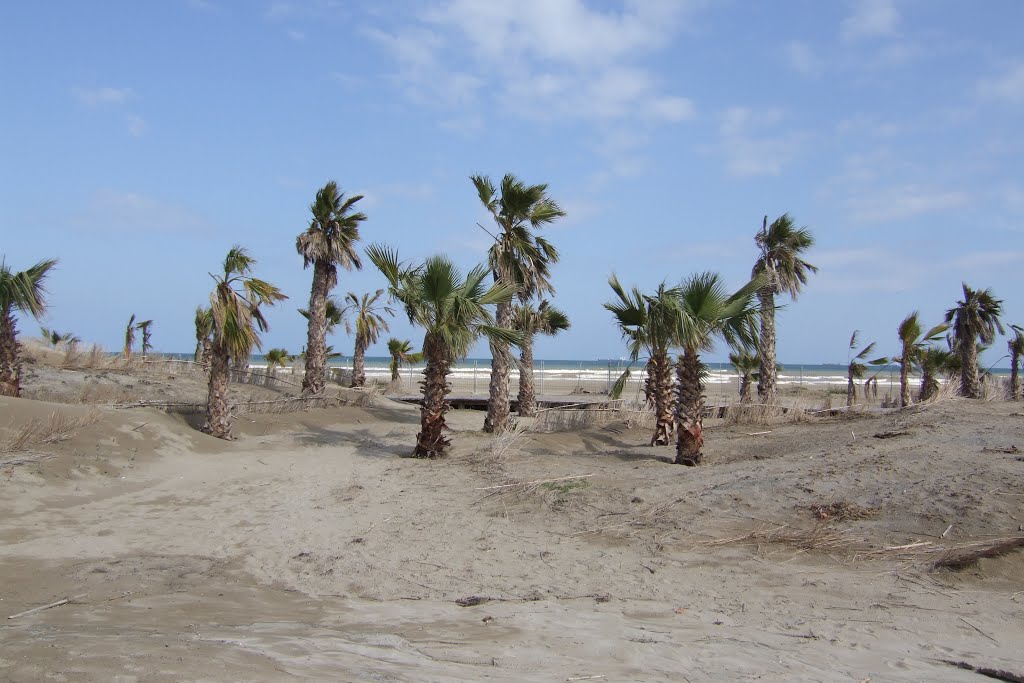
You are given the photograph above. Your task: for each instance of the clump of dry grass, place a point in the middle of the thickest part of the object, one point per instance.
(574, 417)
(56, 428)
(820, 537)
(764, 415)
(964, 556)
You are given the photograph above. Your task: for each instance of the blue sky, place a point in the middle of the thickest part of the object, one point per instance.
(141, 140)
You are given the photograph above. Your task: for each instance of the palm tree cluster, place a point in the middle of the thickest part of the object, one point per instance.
(689, 318)
(25, 292)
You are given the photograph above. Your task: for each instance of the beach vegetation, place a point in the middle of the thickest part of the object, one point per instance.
(369, 323)
(146, 328)
(129, 338)
(20, 292)
(782, 265)
(705, 312)
(520, 260)
(236, 304)
(858, 365)
(328, 243)
(276, 358)
(746, 364)
(401, 354)
(647, 323)
(1015, 346)
(204, 335)
(531, 321)
(455, 312)
(913, 341)
(974, 320)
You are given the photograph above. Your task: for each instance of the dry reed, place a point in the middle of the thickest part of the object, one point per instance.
(56, 428)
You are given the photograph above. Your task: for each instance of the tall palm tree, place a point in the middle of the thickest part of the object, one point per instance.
(276, 358)
(974, 319)
(204, 332)
(329, 242)
(530, 321)
(146, 327)
(401, 354)
(857, 366)
(913, 340)
(25, 292)
(129, 337)
(785, 271)
(237, 322)
(647, 322)
(933, 361)
(1016, 348)
(333, 315)
(454, 312)
(706, 312)
(519, 259)
(369, 323)
(746, 365)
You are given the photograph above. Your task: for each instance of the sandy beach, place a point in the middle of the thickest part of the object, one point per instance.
(842, 548)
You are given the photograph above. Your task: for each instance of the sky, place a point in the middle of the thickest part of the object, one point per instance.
(140, 141)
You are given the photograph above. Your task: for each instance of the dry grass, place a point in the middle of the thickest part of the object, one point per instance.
(965, 555)
(764, 415)
(56, 428)
(839, 511)
(571, 417)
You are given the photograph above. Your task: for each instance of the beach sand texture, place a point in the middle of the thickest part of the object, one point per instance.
(310, 548)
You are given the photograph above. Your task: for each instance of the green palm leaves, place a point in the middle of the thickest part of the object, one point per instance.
(276, 358)
(369, 324)
(913, 340)
(1016, 348)
(401, 354)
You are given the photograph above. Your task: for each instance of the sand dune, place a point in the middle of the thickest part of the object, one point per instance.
(311, 548)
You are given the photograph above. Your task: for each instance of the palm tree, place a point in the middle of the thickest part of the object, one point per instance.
(129, 337)
(237, 322)
(276, 358)
(329, 242)
(647, 322)
(974, 319)
(333, 315)
(746, 365)
(204, 332)
(145, 327)
(518, 259)
(857, 367)
(782, 247)
(530, 321)
(912, 343)
(454, 312)
(369, 323)
(933, 361)
(401, 354)
(25, 292)
(1016, 349)
(706, 311)
(55, 338)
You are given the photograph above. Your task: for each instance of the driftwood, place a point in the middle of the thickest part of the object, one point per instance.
(63, 601)
(997, 674)
(964, 556)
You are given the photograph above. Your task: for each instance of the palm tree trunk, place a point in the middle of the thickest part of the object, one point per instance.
(497, 402)
(904, 380)
(661, 375)
(766, 383)
(1014, 380)
(527, 395)
(199, 352)
(649, 383)
(745, 388)
(10, 369)
(851, 391)
(207, 353)
(217, 420)
(970, 386)
(689, 410)
(394, 368)
(315, 379)
(359, 365)
(431, 442)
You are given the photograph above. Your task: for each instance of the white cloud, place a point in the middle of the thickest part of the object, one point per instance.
(894, 203)
(802, 59)
(870, 19)
(204, 6)
(297, 36)
(136, 125)
(872, 125)
(750, 145)
(1008, 86)
(94, 97)
(120, 211)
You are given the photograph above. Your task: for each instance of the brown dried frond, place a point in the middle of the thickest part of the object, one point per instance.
(839, 511)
